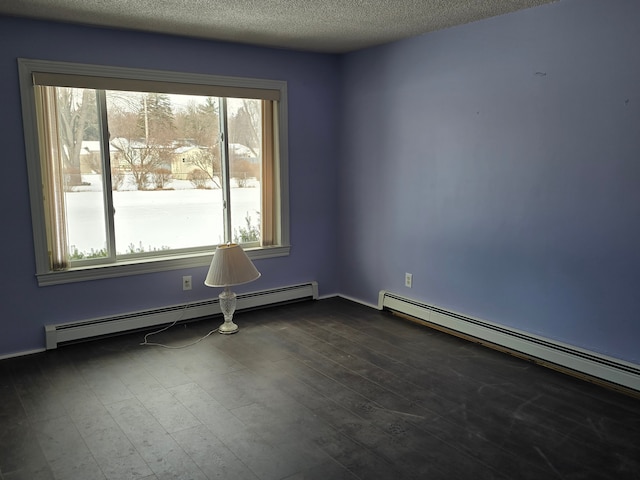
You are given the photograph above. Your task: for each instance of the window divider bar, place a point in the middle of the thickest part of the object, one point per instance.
(224, 165)
(107, 186)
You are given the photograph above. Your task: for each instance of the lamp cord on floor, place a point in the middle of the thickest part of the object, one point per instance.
(146, 342)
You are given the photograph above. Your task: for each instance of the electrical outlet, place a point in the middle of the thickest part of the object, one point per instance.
(186, 282)
(408, 279)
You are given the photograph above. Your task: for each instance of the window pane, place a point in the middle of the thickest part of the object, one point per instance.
(158, 186)
(166, 171)
(79, 141)
(245, 163)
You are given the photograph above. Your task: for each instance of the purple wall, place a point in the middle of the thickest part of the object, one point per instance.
(313, 83)
(499, 162)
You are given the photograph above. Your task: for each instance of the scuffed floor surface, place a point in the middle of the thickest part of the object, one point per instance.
(324, 390)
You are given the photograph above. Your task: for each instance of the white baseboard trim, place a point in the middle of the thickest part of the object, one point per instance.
(568, 358)
(94, 327)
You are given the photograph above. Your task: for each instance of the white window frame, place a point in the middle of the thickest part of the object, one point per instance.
(27, 68)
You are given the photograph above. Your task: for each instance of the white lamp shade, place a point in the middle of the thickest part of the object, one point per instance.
(230, 266)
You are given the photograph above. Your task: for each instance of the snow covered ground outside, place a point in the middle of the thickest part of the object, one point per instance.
(180, 218)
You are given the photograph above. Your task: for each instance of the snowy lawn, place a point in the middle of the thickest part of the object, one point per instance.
(156, 219)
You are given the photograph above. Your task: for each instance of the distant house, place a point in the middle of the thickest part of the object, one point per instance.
(125, 153)
(189, 158)
(182, 160)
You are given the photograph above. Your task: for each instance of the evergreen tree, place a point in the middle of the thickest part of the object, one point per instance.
(156, 119)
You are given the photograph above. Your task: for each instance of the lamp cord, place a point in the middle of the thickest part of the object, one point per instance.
(146, 342)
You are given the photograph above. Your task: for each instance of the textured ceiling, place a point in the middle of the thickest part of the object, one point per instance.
(332, 26)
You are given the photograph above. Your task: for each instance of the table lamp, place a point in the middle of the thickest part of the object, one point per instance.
(230, 266)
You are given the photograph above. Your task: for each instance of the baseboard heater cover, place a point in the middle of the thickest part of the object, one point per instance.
(549, 352)
(73, 331)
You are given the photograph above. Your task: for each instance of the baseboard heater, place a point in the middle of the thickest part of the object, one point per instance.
(588, 365)
(96, 327)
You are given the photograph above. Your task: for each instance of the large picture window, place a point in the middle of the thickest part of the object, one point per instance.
(134, 171)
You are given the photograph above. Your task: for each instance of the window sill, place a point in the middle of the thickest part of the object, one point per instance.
(148, 265)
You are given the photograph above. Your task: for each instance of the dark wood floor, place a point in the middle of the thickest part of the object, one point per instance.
(316, 390)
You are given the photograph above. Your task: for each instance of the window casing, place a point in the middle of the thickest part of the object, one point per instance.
(110, 170)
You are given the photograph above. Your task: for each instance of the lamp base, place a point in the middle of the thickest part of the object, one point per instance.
(227, 306)
(228, 327)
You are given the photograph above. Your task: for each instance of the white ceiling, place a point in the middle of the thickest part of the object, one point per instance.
(332, 26)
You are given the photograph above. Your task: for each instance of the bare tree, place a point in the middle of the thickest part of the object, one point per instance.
(76, 112)
(198, 126)
(208, 161)
(243, 170)
(198, 123)
(143, 134)
(139, 159)
(245, 128)
(160, 177)
(198, 178)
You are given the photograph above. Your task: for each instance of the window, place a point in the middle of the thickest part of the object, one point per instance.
(134, 171)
